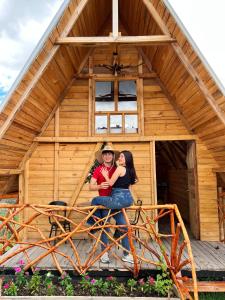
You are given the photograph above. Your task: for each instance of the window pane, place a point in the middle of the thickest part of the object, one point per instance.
(115, 123)
(131, 124)
(104, 96)
(101, 124)
(127, 95)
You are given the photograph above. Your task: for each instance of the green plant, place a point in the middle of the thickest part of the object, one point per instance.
(35, 282)
(163, 283)
(10, 289)
(66, 282)
(132, 284)
(120, 290)
(48, 283)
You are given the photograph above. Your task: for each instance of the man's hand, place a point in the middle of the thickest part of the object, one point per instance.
(104, 185)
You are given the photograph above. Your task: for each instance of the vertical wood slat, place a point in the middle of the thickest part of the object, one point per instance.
(90, 96)
(26, 194)
(56, 158)
(115, 18)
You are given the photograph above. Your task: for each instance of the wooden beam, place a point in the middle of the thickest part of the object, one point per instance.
(183, 58)
(108, 40)
(115, 18)
(218, 170)
(7, 172)
(108, 139)
(42, 68)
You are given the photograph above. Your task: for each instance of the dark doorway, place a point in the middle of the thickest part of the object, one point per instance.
(176, 174)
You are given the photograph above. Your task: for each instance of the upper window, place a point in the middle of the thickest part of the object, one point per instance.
(116, 109)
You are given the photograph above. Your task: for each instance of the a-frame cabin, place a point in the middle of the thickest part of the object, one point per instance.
(122, 72)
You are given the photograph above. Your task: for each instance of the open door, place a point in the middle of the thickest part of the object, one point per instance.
(193, 189)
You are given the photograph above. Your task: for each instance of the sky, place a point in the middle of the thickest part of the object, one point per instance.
(23, 22)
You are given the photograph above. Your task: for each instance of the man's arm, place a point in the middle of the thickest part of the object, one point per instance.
(93, 186)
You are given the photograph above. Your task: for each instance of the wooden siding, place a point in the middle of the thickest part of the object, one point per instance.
(159, 116)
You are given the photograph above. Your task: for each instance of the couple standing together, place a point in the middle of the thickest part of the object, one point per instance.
(113, 184)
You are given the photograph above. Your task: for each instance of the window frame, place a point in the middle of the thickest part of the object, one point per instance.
(116, 100)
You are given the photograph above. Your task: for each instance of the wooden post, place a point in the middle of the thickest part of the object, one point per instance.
(90, 99)
(56, 158)
(26, 196)
(115, 18)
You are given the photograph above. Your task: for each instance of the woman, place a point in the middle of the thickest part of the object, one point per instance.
(121, 180)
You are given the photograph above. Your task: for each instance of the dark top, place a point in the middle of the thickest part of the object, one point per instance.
(123, 182)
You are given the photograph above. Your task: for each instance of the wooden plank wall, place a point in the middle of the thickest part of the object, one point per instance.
(159, 115)
(209, 226)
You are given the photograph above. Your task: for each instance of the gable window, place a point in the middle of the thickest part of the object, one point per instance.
(116, 108)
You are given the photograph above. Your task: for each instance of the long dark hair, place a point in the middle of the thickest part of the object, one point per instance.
(130, 165)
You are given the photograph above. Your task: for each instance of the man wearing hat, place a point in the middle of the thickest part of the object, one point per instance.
(106, 157)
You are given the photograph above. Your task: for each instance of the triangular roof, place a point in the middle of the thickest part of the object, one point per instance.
(182, 74)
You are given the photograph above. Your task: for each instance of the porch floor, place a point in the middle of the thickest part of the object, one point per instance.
(208, 256)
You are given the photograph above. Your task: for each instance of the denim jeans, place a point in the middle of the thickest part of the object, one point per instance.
(120, 198)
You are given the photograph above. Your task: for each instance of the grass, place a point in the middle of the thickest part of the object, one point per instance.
(211, 296)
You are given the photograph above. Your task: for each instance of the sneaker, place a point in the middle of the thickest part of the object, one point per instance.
(128, 258)
(105, 258)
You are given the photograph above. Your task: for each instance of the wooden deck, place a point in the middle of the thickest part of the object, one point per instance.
(208, 256)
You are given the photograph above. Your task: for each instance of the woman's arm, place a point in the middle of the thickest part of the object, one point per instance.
(120, 171)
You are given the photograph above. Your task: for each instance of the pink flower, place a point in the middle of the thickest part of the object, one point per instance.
(6, 286)
(151, 280)
(93, 281)
(27, 273)
(109, 278)
(36, 269)
(49, 286)
(17, 269)
(21, 262)
(87, 277)
(141, 281)
(63, 276)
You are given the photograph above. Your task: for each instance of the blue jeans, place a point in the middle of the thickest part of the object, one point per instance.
(120, 198)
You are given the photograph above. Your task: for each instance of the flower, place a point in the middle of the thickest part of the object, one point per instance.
(27, 273)
(151, 280)
(6, 286)
(21, 262)
(110, 278)
(64, 274)
(17, 269)
(141, 281)
(93, 281)
(87, 277)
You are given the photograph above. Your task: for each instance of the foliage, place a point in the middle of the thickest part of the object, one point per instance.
(66, 283)
(50, 285)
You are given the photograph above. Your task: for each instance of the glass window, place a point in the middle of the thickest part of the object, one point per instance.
(115, 123)
(131, 124)
(101, 124)
(127, 95)
(104, 96)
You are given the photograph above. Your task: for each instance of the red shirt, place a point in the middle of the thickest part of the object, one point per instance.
(100, 178)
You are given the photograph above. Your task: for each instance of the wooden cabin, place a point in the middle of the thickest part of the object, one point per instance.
(126, 73)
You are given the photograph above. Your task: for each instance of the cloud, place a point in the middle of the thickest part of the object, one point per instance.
(22, 23)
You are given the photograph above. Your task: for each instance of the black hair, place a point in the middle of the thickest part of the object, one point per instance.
(130, 165)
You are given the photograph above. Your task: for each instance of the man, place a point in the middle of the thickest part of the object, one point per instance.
(106, 157)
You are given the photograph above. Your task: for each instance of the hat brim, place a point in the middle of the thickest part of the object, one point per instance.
(98, 155)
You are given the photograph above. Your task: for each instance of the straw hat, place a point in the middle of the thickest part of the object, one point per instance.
(107, 148)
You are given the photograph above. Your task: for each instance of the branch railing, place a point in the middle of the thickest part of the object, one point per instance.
(171, 248)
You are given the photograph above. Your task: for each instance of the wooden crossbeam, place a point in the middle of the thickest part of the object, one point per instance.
(7, 172)
(108, 40)
(113, 139)
(207, 286)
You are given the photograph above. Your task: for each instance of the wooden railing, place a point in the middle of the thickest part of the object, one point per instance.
(17, 225)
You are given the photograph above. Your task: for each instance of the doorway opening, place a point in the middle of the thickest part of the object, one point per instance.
(176, 175)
